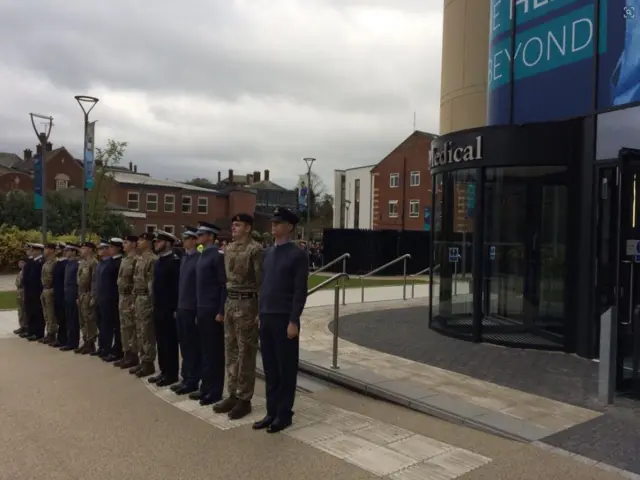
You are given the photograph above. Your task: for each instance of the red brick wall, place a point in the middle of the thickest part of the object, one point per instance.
(412, 155)
(16, 181)
(63, 166)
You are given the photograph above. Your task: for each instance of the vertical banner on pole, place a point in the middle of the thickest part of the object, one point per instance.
(37, 182)
(89, 164)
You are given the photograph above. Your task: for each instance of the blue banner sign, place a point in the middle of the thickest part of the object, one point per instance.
(427, 219)
(89, 163)
(37, 182)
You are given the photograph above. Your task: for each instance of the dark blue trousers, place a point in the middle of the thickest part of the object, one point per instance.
(280, 362)
(191, 369)
(61, 318)
(212, 350)
(108, 319)
(34, 315)
(73, 322)
(167, 341)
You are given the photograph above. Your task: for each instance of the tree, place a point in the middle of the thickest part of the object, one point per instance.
(201, 182)
(316, 192)
(325, 211)
(98, 197)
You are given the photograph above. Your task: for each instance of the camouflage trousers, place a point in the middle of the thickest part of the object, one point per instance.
(87, 317)
(241, 346)
(126, 306)
(23, 321)
(49, 311)
(145, 329)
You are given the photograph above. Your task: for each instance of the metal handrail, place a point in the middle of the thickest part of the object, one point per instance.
(336, 311)
(404, 258)
(413, 278)
(344, 257)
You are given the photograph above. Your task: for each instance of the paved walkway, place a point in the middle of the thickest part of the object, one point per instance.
(73, 417)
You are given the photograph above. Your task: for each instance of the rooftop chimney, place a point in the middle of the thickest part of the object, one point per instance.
(219, 176)
(256, 177)
(27, 155)
(131, 166)
(49, 146)
(230, 176)
(249, 178)
(266, 175)
(135, 169)
(39, 150)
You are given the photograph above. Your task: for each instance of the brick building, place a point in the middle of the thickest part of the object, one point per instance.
(146, 202)
(402, 185)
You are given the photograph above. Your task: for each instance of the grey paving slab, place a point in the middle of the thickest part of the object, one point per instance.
(513, 426)
(401, 388)
(455, 406)
(361, 375)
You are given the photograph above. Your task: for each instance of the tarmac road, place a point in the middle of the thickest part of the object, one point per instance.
(68, 417)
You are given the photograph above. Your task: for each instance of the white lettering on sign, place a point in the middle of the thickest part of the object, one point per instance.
(451, 154)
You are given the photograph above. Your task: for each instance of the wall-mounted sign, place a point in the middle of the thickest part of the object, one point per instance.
(451, 153)
(427, 219)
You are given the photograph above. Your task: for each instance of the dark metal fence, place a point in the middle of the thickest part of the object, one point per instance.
(371, 249)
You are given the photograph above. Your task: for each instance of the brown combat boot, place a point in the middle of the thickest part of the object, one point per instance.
(130, 360)
(118, 363)
(146, 369)
(134, 370)
(49, 339)
(88, 348)
(226, 405)
(241, 409)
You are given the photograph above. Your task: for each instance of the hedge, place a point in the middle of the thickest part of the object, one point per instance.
(13, 240)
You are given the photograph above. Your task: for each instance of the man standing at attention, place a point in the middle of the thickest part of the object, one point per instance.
(58, 295)
(126, 305)
(48, 305)
(32, 281)
(101, 290)
(142, 289)
(186, 316)
(23, 324)
(109, 306)
(282, 298)
(86, 310)
(71, 297)
(211, 294)
(166, 275)
(243, 265)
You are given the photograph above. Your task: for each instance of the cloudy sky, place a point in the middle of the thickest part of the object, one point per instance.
(206, 85)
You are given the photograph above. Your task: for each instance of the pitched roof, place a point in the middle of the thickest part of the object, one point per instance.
(131, 178)
(267, 185)
(429, 136)
(8, 160)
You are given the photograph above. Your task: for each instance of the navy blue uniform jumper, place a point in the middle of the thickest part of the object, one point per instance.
(282, 298)
(211, 293)
(186, 320)
(58, 299)
(166, 278)
(70, 305)
(32, 282)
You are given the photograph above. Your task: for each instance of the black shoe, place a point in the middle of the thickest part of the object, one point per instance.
(113, 357)
(19, 331)
(177, 386)
(184, 389)
(24, 334)
(226, 405)
(197, 395)
(208, 399)
(33, 338)
(264, 423)
(241, 409)
(56, 344)
(279, 425)
(67, 348)
(96, 353)
(166, 381)
(156, 378)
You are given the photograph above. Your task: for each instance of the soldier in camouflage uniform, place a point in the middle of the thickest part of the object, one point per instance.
(127, 305)
(243, 266)
(142, 283)
(86, 309)
(46, 297)
(23, 324)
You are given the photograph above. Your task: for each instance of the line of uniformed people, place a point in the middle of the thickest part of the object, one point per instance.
(139, 298)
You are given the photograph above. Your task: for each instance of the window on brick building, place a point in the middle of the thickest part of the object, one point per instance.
(62, 181)
(169, 203)
(394, 180)
(414, 208)
(186, 204)
(151, 228)
(133, 200)
(414, 179)
(203, 205)
(393, 208)
(169, 229)
(152, 202)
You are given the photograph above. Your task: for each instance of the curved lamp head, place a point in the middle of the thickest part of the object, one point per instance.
(42, 136)
(90, 102)
(309, 161)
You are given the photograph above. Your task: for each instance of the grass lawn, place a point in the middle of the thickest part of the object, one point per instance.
(8, 300)
(355, 282)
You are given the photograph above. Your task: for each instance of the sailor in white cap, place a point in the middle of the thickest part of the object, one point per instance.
(32, 280)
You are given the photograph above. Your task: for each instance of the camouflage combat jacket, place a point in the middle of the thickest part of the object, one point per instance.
(125, 274)
(243, 266)
(86, 274)
(143, 273)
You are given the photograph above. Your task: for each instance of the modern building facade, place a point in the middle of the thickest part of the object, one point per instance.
(555, 236)
(352, 198)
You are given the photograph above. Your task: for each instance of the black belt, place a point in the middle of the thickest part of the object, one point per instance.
(241, 295)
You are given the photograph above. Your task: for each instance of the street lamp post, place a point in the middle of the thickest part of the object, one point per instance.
(347, 205)
(309, 161)
(86, 104)
(43, 137)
